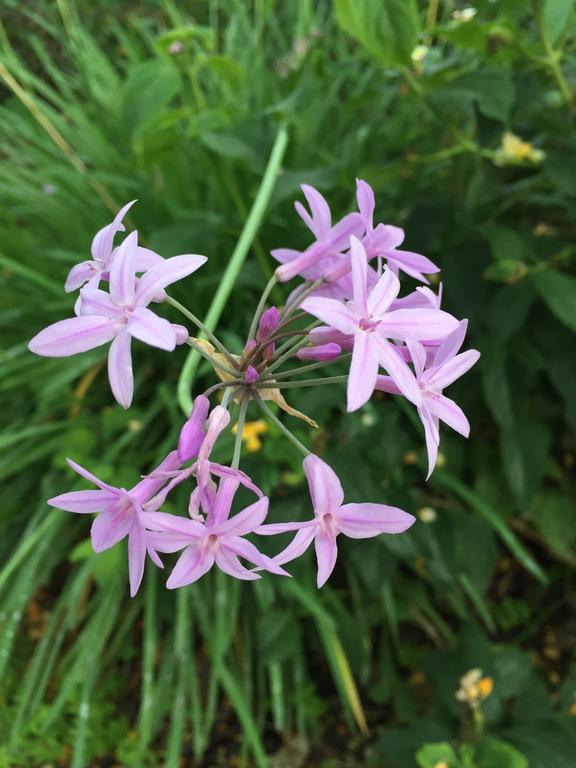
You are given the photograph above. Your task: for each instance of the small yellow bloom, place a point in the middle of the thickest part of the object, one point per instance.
(474, 688)
(514, 151)
(572, 709)
(251, 434)
(466, 14)
(442, 764)
(419, 53)
(427, 514)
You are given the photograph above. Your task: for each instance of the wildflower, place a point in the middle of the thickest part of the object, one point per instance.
(514, 151)
(385, 239)
(121, 514)
(465, 14)
(419, 54)
(322, 353)
(427, 515)
(119, 316)
(251, 434)
(474, 688)
(268, 323)
(220, 540)
(433, 406)
(332, 517)
(368, 320)
(331, 240)
(176, 47)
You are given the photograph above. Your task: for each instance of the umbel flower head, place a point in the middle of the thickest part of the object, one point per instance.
(380, 338)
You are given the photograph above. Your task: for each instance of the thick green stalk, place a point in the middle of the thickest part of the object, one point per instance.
(236, 261)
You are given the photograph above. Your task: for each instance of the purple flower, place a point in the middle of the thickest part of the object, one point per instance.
(121, 513)
(446, 367)
(119, 316)
(192, 434)
(268, 323)
(331, 517)
(220, 540)
(371, 323)
(385, 239)
(323, 352)
(329, 244)
(104, 253)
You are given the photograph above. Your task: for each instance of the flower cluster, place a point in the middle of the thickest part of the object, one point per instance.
(402, 345)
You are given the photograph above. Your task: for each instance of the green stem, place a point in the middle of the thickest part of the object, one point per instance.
(553, 59)
(237, 259)
(291, 349)
(275, 420)
(203, 328)
(239, 431)
(306, 368)
(305, 383)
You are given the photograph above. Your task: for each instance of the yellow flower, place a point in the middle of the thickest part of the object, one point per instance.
(442, 764)
(514, 151)
(427, 514)
(474, 688)
(251, 434)
(572, 709)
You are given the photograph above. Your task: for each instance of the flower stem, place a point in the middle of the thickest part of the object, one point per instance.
(300, 296)
(289, 349)
(266, 292)
(306, 368)
(275, 420)
(305, 383)
(205, 330)
(236, 260)
(239, 431)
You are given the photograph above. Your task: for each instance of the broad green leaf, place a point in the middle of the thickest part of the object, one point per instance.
(500, 753)
(553, 514)
(559, 293)
(387, 30)
(555, 17)
(430, 755)
(150, 88)
(492, 89)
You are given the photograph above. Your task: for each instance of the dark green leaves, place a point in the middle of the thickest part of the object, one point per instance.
(555, 17)
(387, 30)
(559, 293)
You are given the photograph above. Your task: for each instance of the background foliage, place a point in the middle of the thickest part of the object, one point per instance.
(179, 104)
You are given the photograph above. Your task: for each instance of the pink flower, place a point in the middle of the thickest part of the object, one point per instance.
(367, 318)
(121, 513)
(220, 540)
(332, 517)
(446, 367)
(119, 316)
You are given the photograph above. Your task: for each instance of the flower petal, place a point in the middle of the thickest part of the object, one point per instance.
(136, 557)
(391, 360)
(418, 324)
(248, 551)
(246, 521)
(413, 264)
(362, 521)
(451, 344)
(451, 370)
(83, 502)
(228, 562)
(120, 369)
(167, 523)
(298, 545)
(145, 326)
(192, 433)
(325, 488)
(417, 355)
(102, 243)
(432, 437)
(192, 564)
(387, 384)
(146, 259)
(332, 312)
(363, 370)
(359, 275)
(111, 526)
(383, 293)
(170, 271)
(72, 336)
(326, 554)
(449, 412)
(321, 219)
(149, 485)
(122, 272)
(94, 301)
(80, 274)
(366, 202)
(92, 478)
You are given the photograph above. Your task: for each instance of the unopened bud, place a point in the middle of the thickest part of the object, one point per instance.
(322, 353)
(252, 374)
(269, 321)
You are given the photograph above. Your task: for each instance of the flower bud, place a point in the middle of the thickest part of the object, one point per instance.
(249, 347)
(322, 353)
(252, 374)
(269, 321)
(192, 433)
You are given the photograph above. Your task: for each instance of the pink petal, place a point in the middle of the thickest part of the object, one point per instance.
(413, 264)
(102, 243)
(146, 259)
(325, 489)
(417, 355)
(92, 478)
(248, 551)
(297, 546)
(366, 202)
(217, 422)
(148, 486)
(223, 503)
(145, 326)
(122, 273)
(451, 344)
(342, 231)
(192, 433)
(332, 312)
(166, 542)
(120, 369)
(79, 274)
(326, 554)
(449, 412)
(227, 561)
(111, 526)
(72, 336)
(246, 521)
(321, 219)
(322, 353)
(164, 522)
(383, 293)
(451, 370)
(94, 301)
(363, 370)
(136, 557)
(362, 521)
(83, 502)
(432, 437)
(170, 271)
(403, 377)
(271, 529)
(387, 384)
(359, 275)
(192, 564)
(418, 324)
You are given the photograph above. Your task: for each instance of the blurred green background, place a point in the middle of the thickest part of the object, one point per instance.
(463, 121)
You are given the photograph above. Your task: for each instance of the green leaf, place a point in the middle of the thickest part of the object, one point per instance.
(501, 754)
(150, 88)
(555, 17)
(387, 30)
(493, 90)
(558, 291)
(430, 755)
(553, 514)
